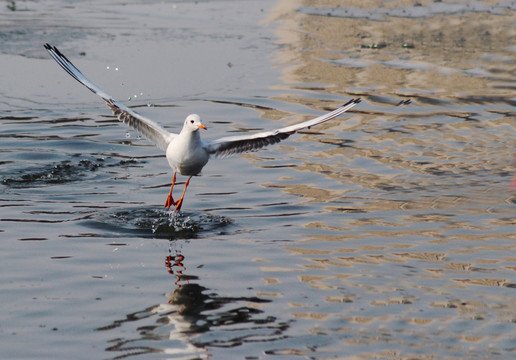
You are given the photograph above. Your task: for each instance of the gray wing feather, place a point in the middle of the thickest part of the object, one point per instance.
(151, 130)
(230, 145)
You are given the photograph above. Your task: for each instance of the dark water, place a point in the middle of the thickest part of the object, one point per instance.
(387, 233)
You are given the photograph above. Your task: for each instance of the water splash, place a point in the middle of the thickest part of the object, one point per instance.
(63, 172)
(158, 223)
(187, 224)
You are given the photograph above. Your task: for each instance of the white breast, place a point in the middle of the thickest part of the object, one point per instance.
(186, 155)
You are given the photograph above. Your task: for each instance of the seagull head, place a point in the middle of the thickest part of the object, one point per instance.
(193, 123)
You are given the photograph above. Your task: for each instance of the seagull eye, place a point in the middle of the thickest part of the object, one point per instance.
(191, 121)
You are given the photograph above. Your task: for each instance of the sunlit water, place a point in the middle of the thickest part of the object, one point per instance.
(387, 233)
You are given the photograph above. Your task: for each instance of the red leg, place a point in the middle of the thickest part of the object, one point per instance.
(179, 202)
(170, 200)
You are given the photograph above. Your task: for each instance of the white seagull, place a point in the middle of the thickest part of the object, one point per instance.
(186, 152)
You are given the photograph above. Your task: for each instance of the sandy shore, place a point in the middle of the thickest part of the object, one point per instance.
(395, 55)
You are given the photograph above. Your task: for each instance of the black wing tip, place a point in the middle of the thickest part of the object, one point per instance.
(51, 48)
(54, 50)
(404, 102)
(353, 101)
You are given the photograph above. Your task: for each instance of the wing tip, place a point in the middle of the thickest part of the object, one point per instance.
(51, 48)
(353, 101)
(54, 51)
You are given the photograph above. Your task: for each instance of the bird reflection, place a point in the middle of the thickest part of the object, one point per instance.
(192, 320)
(174, 264)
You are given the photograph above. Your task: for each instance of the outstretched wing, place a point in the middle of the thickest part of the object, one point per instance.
(151, 130)
(230, 145)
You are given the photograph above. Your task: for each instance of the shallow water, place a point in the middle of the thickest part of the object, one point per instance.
(387, 233)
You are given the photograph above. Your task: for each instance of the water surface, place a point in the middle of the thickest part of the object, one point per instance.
(387, 233)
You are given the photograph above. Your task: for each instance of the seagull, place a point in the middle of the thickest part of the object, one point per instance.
(186, 152)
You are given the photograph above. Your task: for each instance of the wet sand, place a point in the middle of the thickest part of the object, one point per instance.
(437, 170)
(450, 54)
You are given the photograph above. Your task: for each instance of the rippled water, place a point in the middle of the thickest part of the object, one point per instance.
(386, 233)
